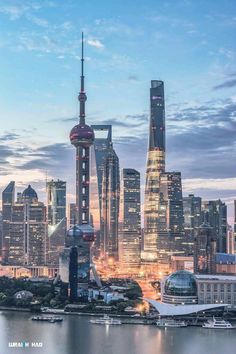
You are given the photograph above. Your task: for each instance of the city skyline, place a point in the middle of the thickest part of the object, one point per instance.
(201, 117)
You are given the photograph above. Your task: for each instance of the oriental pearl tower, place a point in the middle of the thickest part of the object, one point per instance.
(81, 235)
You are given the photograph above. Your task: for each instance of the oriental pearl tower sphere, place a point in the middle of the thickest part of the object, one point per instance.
(82, 137)
(80, 236)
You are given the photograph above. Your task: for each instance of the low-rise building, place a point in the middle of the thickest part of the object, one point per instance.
(185, 288)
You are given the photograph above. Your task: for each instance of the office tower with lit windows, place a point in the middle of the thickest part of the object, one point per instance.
(35, 224)
(72, 214)
(27, 228)
(0, 234)
(110, 207)
(205, 250)
(230, 240)
(192, 219)
(155, 166)
(56, 217)
(99, 152)
(81, 235)
(171, 240)
(235, 226)
(8, 199)
(129, 220)
(215, 213)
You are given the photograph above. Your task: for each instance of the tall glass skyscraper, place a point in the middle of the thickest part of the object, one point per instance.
(235, 226)
(155, 166)
(56, 217)
(192, 219)
(105, 188)
(25, 228)
(8, 199)
(215, 213)
(170, 240)
(130, 221)
(99, 152)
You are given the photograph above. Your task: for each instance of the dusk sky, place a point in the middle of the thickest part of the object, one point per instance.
(190, 45)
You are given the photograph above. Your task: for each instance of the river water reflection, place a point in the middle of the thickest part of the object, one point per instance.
(76, 335)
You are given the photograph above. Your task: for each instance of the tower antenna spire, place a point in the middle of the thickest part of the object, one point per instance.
(82, 95)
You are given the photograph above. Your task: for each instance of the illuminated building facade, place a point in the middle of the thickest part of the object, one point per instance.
(8, 199)
(110, 206)
(27, 237)
(99, 154)
(130, 222)
(72, 214)
(171, 240)
(192, 219)
(235, 226)
(215, 213)
(205, 250)
(56, 217)
(155, 166)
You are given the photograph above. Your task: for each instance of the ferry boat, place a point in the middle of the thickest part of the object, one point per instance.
(106, 320)
(51, 319)
(218, 324)
(170, 323)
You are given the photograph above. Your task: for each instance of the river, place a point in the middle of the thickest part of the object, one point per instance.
(76, 335)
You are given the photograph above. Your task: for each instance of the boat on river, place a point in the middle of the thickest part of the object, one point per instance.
(218, 324)
(51, 319)
(170, 323)
(106, 320)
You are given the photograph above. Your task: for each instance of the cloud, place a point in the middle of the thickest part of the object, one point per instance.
(9, 137)
(95, 43)
(202, 140)
(38, 21)
(225, 84)
(129, 121)
(14, 11)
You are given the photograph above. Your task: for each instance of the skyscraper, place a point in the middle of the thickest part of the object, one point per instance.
(72, 214)
(35, 225)
(104, 191)
(235, 226)
(26, 228)
(82, 234)
(110, 206)
(205, 250)
(130, 221)
(215, 213)
(56, 217)
(170, 220)
(155, 166)
(192, 219)
(8, 199)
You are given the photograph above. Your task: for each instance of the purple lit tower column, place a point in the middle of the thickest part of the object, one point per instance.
(82, 234)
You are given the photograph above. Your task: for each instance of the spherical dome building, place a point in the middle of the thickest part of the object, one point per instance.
(180, 288)
(29, 194)
(82, 135)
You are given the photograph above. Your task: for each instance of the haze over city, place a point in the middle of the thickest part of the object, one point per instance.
(188, 44)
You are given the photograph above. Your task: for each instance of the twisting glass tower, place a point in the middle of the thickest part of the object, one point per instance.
(82, 234)
(155, 166)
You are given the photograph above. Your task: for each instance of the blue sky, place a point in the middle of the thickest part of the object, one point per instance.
(190, 45)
